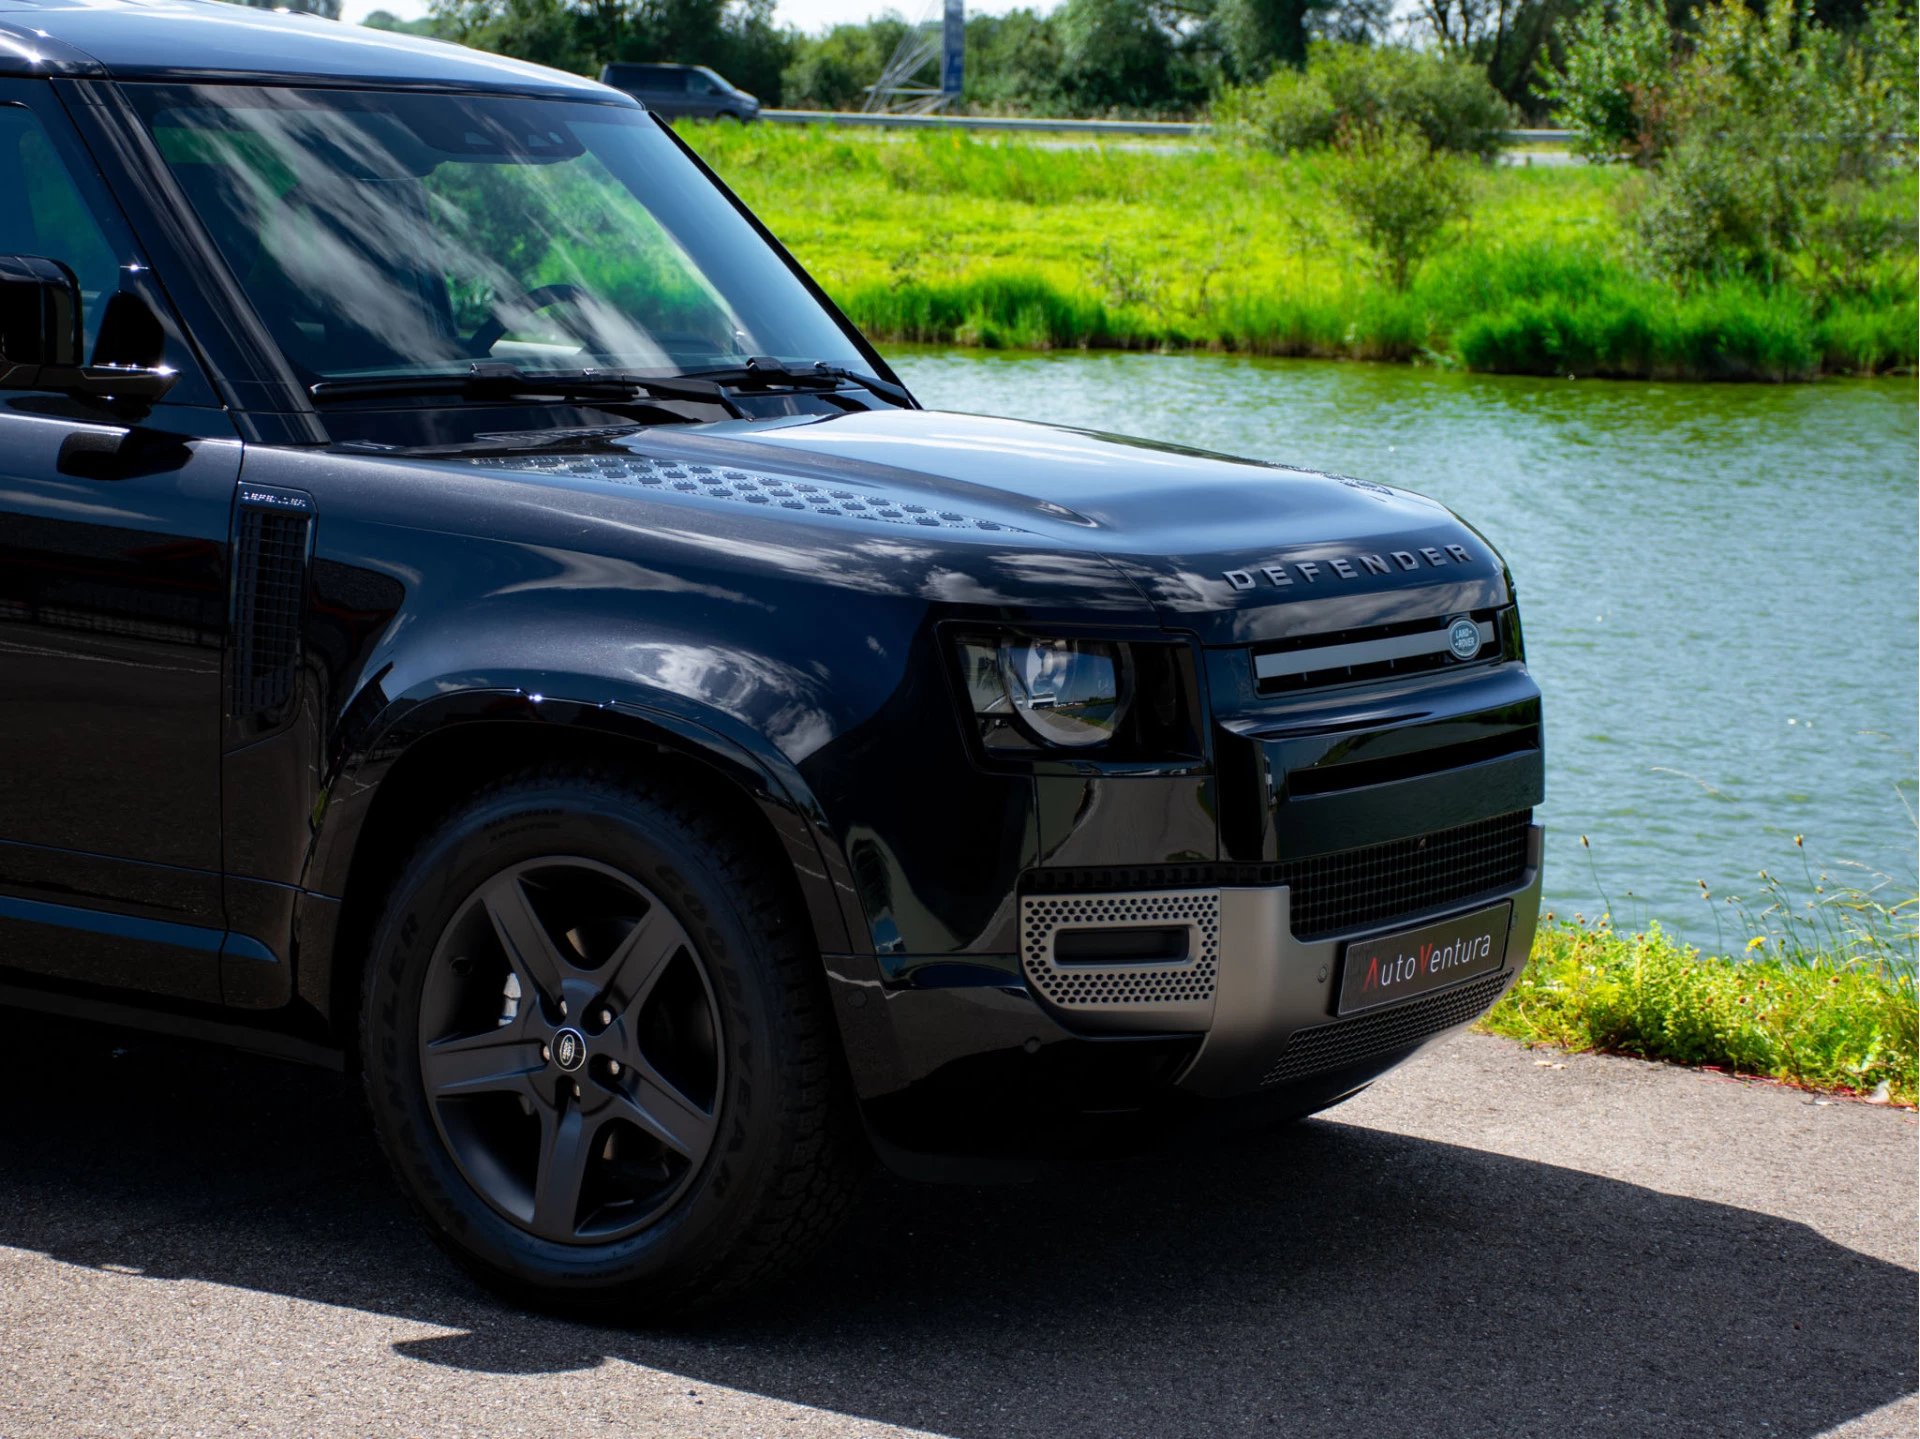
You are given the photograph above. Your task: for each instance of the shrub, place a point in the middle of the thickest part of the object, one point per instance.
(1289, 110)
(1614, 88)
(1449, 101)
(1399, 194)
(1631, 88)
(1825, 1019)
(1717, 208)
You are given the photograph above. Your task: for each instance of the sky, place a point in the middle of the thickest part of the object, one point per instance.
(809, 15)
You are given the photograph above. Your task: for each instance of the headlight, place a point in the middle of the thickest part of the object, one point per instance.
(1066, 694)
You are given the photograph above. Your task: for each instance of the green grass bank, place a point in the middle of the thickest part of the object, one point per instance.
(952, 239)
(1834, 1021)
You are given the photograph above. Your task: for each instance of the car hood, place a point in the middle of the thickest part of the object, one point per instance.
(1235, 550)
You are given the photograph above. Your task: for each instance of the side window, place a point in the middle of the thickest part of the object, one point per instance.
(55, 221)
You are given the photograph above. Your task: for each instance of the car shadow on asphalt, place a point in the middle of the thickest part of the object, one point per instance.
(1327, 1280)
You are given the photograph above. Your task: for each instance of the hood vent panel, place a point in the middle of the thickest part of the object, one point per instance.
(752, 488)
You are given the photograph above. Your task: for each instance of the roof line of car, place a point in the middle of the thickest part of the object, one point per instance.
(32, 48)
(77, 64)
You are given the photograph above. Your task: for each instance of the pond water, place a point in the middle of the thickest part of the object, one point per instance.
(1718, 582)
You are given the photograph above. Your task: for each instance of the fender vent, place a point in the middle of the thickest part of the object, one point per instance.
(269, 578)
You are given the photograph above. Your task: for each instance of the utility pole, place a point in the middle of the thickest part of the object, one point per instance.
(927, 70)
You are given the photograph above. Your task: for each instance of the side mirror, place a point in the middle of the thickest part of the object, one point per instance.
(41, 337)
(39, 317)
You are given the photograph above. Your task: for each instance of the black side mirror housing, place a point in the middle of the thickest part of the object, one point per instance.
(39, 316)
(41, 337)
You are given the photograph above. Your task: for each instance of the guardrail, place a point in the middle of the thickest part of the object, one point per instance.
(1172, 129)
(1165, 129)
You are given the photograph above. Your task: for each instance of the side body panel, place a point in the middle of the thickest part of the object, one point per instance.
(113, 617)
(802, 662)
(113, 608)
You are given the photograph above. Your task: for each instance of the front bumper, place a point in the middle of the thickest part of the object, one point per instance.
(1170, 944)
(1273, 1022)
(1018, 1068)
(1232, 969)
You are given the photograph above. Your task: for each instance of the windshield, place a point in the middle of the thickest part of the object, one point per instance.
(388, 234)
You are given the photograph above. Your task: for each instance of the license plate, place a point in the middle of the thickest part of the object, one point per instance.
(1399, 966)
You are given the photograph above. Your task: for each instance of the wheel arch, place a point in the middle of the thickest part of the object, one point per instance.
(385, 797)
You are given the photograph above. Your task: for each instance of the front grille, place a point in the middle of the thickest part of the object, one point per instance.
(1372, 652)
(1358, 888)
(1348, 890)
(1333, 1046)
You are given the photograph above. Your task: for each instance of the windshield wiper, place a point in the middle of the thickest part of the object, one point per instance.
(764, 372)
(496, 380)
(492, 380)
(499, 442)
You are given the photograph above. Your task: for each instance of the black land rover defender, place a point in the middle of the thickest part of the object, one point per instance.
(472, 611)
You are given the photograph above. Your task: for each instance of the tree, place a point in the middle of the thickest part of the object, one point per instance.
(833, 71)
(736, 37)
(547, 32)
(1506, 38)
(1782, 133)
(1246, 40)
(328, 9)
(426, 25)
(1614, 88)
(1014, 62)
(1257, 35)
(1114, 54)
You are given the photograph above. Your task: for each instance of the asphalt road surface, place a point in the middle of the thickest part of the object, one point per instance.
(1491, 1242)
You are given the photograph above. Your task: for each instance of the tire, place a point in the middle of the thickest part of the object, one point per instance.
(597, 1050)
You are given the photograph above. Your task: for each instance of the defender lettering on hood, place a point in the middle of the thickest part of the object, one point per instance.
(1345, 568)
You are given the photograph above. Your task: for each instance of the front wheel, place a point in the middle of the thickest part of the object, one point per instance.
(597, 1049)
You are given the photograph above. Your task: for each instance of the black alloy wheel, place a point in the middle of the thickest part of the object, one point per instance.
(597, 1047)
(569, 1046)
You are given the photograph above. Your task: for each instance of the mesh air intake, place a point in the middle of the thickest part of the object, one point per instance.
(1173, 992)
